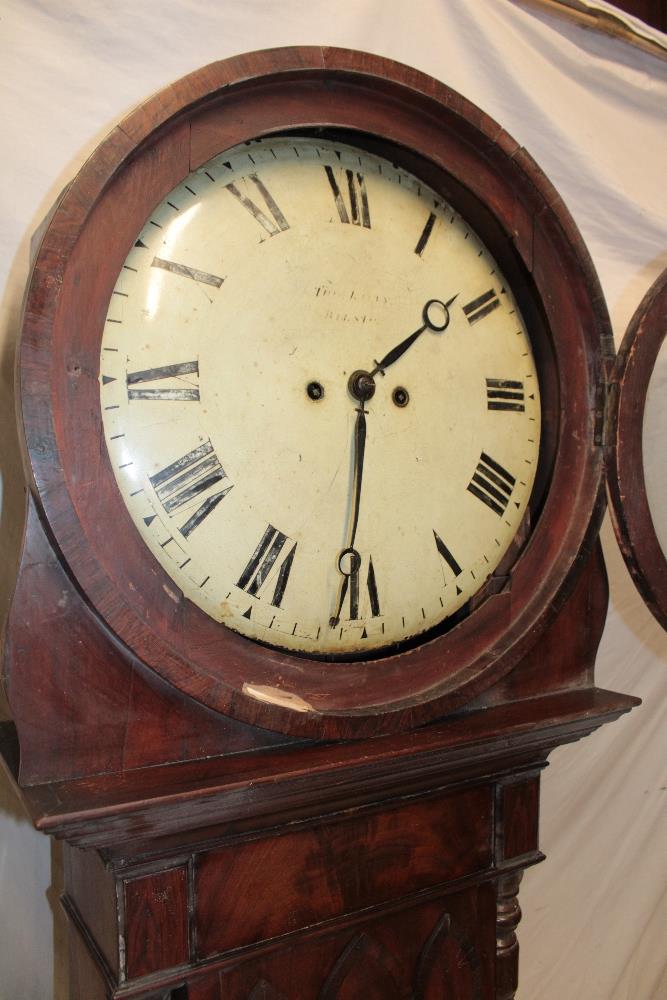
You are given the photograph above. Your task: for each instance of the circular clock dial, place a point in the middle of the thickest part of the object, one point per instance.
(319, 398)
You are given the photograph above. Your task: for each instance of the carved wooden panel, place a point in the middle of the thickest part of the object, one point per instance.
(264, 991)
(301, 878)
(440, 950)
(449, 963)
(364, 968)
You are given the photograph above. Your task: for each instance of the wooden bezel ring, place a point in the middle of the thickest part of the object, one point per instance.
(631, 514)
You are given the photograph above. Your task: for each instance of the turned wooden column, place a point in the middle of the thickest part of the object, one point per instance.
(508, 915)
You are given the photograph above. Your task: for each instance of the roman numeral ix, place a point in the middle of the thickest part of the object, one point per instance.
(262, 562)
(505, 394)
(492, 484)
(355, 185)
(272, 221)
(481, 306)
(178, 386)
(186, 481)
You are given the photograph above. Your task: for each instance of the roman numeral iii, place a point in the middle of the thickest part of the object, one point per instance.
(354, 188)
(505, 394)
(481, 306)
(262, 562)
(272, 220)
(185, 483)
(178, 386)
(492, 484)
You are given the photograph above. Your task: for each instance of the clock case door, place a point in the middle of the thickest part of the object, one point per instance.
(208, 851)
(631, 514)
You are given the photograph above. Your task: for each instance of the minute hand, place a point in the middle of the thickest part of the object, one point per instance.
(429, 323)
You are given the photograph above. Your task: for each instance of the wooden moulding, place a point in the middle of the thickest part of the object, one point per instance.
(466, 156)
(630, 510)
(252, 791)
(76, 718)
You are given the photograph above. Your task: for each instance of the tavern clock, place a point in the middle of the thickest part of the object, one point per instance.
(313, 382)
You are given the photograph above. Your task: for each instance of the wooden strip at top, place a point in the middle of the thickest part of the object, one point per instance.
(604, 21)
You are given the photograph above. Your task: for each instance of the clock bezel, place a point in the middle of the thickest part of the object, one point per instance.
(631, 515)
(133, 169)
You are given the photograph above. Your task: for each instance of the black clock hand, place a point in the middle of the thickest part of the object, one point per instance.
(428, 324)
(362, 387)
(359, 452)
(359, 439)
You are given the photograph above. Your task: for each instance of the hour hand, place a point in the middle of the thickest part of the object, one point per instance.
(435, 317)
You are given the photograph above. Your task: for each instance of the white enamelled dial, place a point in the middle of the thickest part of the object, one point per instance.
(319, 398)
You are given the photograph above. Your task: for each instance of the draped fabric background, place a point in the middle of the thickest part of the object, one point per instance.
(591, 110)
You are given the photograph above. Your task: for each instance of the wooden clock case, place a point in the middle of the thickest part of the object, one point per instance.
(220, 848)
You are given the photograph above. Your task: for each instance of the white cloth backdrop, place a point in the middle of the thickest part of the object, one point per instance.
(591, 110)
